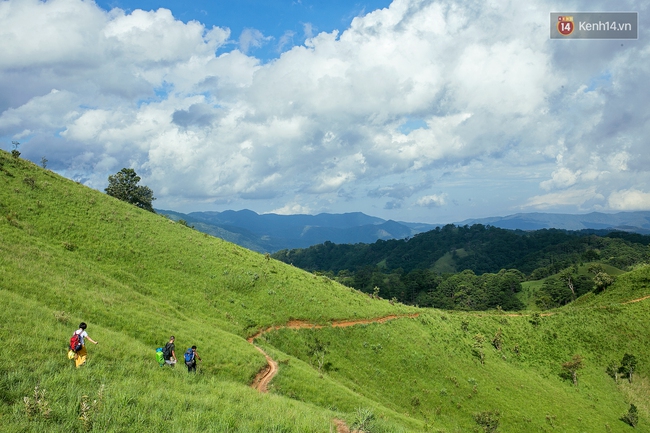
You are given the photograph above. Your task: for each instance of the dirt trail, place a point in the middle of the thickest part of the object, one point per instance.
(341, 426)
(637, 300)
(265, 376)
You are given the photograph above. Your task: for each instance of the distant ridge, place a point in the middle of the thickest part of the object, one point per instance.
(272, 232)
(635, 222)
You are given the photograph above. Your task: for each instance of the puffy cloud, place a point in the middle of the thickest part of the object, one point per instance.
(252, 38)
(574, 198)
(561, 178)
(629, 200)
(292, 209)
(408, 96)
(435, 200)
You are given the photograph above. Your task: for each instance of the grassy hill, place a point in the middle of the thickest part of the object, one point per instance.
(70, 254)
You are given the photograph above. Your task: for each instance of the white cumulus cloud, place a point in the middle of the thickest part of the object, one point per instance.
(629, 200)
(404, 100)
(434, 200)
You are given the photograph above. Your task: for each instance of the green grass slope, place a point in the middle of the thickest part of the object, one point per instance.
(429, 368)
(71, 254)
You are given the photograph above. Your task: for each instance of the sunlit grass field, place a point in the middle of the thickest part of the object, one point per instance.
(70, 254)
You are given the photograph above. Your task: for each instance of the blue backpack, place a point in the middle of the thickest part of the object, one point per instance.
(189, 355)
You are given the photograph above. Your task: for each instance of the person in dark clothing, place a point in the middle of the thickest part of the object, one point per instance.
(169, 352)
(191, 364)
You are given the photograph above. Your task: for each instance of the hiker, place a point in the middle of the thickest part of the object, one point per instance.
(81, 354)
(190, 359)
(169, 352)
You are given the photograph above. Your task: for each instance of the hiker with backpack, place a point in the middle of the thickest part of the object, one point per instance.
(169, 352)
(78, 345)
(190, 359)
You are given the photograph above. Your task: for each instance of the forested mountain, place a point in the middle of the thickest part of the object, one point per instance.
(479, 248)
(272, 232)
(490, 263)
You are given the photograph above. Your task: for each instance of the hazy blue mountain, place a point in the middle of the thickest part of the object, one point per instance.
(272, 232)
(637, 222)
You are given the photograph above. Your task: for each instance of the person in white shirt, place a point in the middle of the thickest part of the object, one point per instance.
(82, 354)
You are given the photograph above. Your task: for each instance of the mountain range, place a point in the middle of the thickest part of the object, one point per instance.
(636, 222)
(273, 232)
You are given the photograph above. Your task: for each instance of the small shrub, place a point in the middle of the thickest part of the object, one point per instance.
(464, 326)
(184, 223)
(30, 181)
(535, 319)
(550, 419)
(62, 317)
(88, 411)
(628, 365)
(488, 420)
(612, 370)
(571, 368)
(69, 246)
(43, 162)
(363, 420)
(631, 417)
(477, 348)
(602, 281)
(37, 406)
(12, 219)
(497, 340)
(15, 153)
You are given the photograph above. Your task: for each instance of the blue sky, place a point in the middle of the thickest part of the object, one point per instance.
(284, 23)
(414, 110)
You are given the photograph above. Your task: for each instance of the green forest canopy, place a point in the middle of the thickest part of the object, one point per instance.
(474, 267)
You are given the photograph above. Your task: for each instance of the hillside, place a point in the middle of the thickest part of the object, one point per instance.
(69, 253)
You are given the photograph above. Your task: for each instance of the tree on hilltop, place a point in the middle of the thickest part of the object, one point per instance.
(124, 186)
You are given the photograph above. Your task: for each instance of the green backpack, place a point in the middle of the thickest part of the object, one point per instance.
(160, 357)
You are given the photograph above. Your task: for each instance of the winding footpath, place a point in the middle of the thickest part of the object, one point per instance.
(264, 377)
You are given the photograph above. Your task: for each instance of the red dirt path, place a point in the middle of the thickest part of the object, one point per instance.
(265, 376)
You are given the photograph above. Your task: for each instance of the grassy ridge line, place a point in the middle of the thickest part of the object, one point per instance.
(119, 255)
(167, 260)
